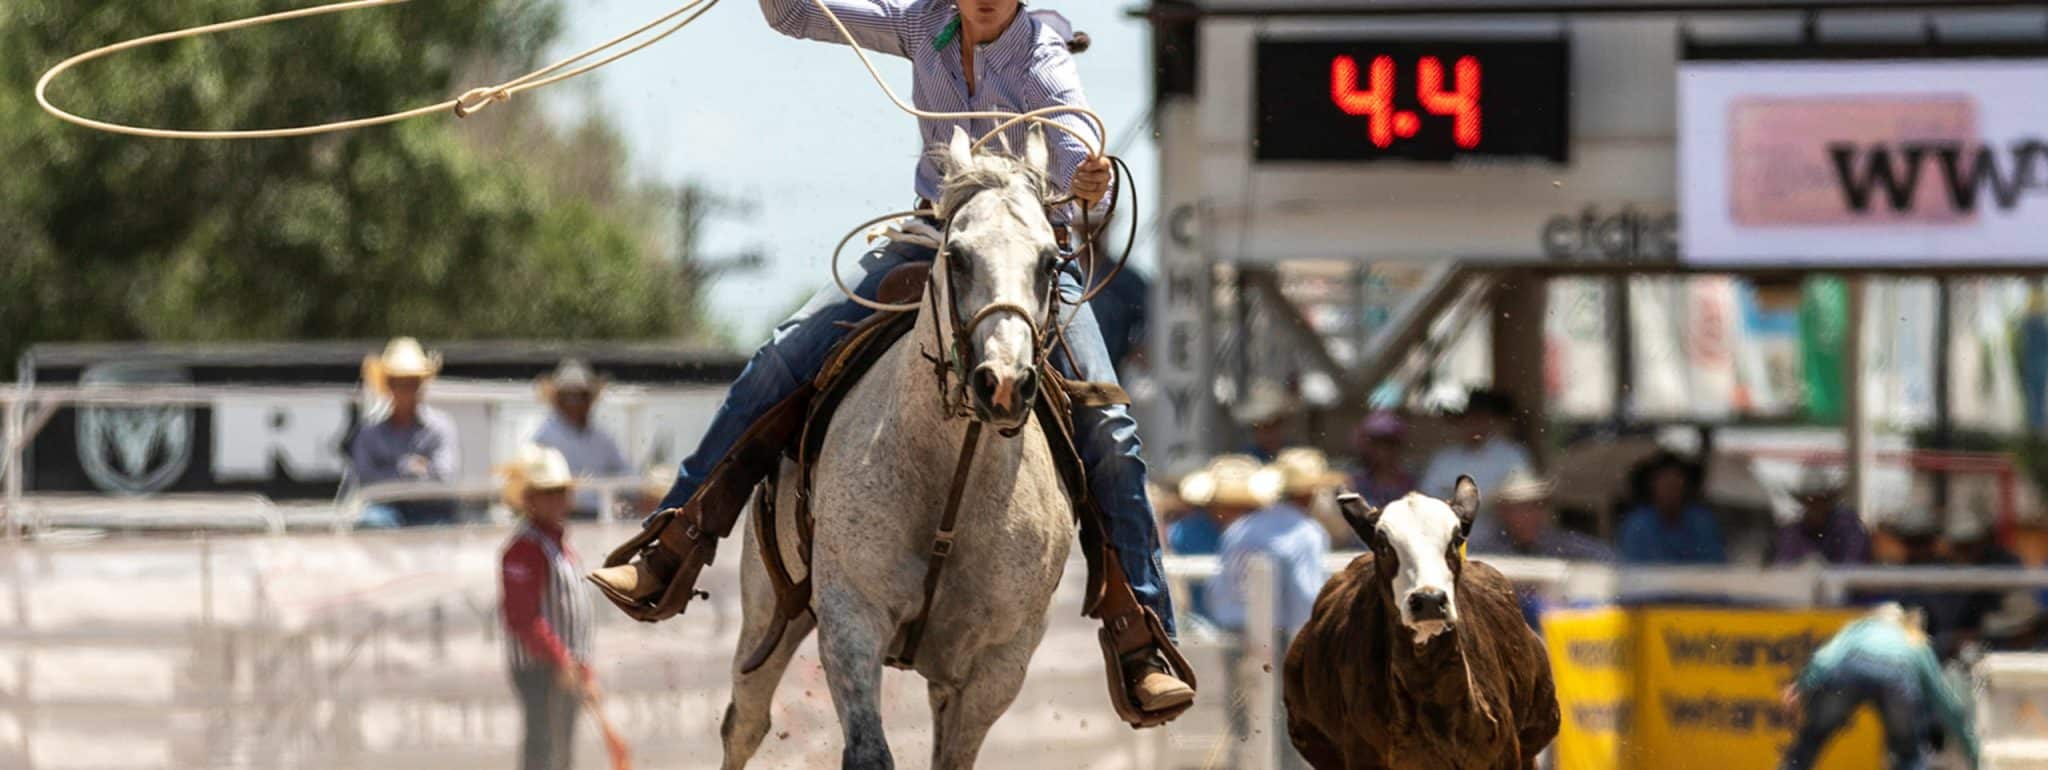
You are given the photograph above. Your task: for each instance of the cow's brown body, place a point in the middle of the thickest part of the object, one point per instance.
(1361, 696)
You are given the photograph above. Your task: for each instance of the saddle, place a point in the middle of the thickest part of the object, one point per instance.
(852, 358)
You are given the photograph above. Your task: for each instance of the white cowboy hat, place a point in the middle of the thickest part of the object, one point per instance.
(1818, 481)
(534, 467)
(572, 374)
(1965, 526)
(2020, 611)
(1234, 480)
(403, 357)
(1266, 403)
(1521, 486)
(1305, 471)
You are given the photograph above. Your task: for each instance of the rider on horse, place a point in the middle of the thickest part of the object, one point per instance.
(973, 55)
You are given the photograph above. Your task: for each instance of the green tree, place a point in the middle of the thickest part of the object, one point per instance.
(497, 226)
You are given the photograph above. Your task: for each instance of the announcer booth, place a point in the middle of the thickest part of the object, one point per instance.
(1628, 214)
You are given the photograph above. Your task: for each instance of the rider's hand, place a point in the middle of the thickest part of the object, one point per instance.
(1091, 180)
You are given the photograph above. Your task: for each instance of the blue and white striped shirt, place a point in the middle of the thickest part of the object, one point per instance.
(1028, 67)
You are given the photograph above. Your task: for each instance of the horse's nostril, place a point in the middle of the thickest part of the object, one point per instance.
(985, 383)
(1027, 385)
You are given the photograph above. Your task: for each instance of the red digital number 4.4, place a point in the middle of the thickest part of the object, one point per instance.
(1375, 102)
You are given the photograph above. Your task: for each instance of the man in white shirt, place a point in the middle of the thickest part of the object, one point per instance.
(1483, 450)
(572, 390)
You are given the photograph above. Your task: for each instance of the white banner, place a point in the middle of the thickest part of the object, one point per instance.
(1863, 161)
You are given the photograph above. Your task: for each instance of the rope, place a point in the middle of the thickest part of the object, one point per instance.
(462, 106)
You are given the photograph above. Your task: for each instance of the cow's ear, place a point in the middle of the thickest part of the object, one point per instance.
(1465, 503)
(1363, 518)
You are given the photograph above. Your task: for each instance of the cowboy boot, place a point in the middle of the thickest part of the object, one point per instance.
(1149, 682)
(653, 576)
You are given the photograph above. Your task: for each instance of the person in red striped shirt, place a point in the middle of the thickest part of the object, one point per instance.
(546, 609)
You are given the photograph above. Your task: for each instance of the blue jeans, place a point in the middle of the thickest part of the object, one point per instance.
(1895, 692)
(1107, 436)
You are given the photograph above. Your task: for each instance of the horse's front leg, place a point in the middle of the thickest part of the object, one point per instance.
(963, 711)
(851, 637)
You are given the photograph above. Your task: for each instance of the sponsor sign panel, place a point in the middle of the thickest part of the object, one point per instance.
(1671, 688)
(1880, 161)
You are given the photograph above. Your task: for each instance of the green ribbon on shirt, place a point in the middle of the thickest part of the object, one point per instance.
(945, 36)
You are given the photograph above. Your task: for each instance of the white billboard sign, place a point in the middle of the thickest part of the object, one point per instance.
(1864, 162)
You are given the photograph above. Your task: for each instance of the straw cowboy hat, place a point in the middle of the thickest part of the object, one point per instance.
(1521, 486)
(1305, 471)
(1233, 480)
(535, 467)
(403, 357)
(572, 374)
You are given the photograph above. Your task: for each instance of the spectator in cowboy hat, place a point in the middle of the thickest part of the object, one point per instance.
(1266, 411)
(571, 391)
(1670, 524)
(1524, 524)
(545, 607)
(1381, 478)
(1284, 533)
(1826, 529)
(411, 443)
(1228, 488)
(1483, 449)
(2018, 625)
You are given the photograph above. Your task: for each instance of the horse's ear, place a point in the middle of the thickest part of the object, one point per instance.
(959, 149)
(1363, 518)
(1035, 152)
(1465, 502)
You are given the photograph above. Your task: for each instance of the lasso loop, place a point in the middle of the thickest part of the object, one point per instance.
(467, 104)
(883, 307)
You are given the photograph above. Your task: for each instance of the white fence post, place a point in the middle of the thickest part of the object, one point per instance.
(1257, 669)
(13, 439)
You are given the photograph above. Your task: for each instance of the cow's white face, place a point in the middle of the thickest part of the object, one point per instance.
(1418, 540)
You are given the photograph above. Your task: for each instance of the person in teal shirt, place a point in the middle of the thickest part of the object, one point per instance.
(1882, 660)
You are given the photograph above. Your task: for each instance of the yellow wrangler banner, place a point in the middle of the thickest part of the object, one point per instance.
(1668, 688)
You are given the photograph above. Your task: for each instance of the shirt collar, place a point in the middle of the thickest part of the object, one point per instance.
(1014, 43)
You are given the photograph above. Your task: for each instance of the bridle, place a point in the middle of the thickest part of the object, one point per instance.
(952, 363)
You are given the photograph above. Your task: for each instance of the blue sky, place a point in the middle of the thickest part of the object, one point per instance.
(798, 128)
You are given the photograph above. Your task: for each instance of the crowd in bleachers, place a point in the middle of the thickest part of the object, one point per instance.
(1662, 517)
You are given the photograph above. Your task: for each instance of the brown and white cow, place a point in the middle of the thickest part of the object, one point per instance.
(1415, 657)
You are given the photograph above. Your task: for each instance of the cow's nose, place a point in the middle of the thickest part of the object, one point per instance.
(1428, 604)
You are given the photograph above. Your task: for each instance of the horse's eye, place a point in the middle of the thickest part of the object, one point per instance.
(958, 260)
(1049, 264)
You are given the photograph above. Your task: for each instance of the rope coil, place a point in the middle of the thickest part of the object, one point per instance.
(462, 106)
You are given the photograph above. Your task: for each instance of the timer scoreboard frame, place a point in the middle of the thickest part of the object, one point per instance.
(1373, 99)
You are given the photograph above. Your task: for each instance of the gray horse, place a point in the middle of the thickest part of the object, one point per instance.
(881, 481)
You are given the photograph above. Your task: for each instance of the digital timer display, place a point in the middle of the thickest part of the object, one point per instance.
(1427, 101)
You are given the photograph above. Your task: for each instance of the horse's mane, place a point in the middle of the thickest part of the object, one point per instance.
(982, 172)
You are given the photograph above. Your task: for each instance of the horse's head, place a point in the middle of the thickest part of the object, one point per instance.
(998, 269)
(1417, 544)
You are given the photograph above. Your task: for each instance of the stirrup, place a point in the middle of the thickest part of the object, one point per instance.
(693, 552)
(1119, 637)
